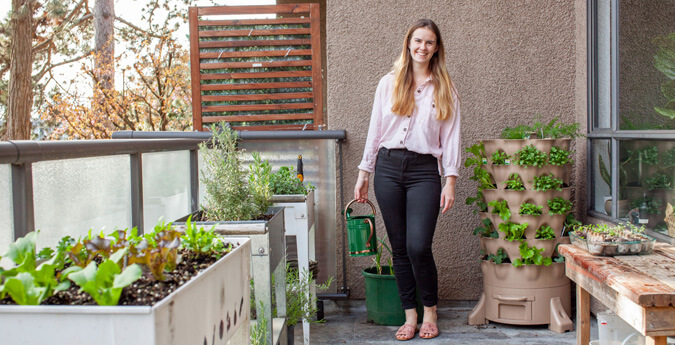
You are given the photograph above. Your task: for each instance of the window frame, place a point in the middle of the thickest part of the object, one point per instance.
(613, 134)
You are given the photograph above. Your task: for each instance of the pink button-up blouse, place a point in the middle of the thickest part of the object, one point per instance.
(420, 132)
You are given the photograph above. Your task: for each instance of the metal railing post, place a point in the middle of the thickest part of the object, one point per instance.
(22, 199)
(194, 180)
(136, 173)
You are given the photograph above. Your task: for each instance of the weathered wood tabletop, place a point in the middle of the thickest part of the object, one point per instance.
(638, 288)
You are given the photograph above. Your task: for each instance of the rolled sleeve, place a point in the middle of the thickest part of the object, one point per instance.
(374, 130)
(451, 143)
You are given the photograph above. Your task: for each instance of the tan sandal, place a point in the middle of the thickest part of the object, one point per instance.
(406, 332)
(428, 330)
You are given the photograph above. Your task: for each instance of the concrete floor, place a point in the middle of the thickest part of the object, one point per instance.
(346, 324)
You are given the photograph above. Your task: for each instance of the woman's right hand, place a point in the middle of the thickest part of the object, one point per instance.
(361, 188)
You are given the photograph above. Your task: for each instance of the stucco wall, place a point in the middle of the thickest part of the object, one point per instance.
(509, 60)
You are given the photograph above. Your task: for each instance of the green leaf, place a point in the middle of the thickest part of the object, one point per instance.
(128, 276)
(24, 291)
(22, 252)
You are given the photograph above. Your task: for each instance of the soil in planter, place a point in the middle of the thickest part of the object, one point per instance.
(144, 291)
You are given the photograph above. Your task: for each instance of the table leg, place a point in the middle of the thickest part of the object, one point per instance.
(656, 340)
(583, 316)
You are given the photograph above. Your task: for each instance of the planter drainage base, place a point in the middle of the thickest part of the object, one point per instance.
(528, 295)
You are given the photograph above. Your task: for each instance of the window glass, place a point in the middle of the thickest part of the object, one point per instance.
(646, 183)
(602, 176)
(646, 64)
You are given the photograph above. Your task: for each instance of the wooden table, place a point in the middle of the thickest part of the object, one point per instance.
(638, 288)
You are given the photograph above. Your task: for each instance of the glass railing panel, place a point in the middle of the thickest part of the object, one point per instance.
(74, 195)
(6, 210)
(166, 186)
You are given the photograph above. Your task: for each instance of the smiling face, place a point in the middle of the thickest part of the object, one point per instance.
(422, 45)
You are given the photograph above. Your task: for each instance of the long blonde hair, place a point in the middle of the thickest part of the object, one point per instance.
(403, 99)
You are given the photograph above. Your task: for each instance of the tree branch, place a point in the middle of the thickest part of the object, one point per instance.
(49, 68)
(137, 28)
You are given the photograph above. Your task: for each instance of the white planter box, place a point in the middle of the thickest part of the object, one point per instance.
(299, 222)
(209, 309)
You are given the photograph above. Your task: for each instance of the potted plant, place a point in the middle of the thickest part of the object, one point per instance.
(524, 200)
(383, 304)
(300, 304)
(238, 203)
(62, 287)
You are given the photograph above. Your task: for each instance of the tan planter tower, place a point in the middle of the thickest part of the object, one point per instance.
(529, 294)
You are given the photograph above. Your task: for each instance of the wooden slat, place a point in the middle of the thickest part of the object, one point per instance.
(265, 117)
(316, 64)
(255, 53)
(257, 75)
(256, 97)
(253, 43)
(246, 33)
(270, 21)
(253, 107)
(225, 10)
(255, 86)
(255, 64)
(275, 128)
(194, 71)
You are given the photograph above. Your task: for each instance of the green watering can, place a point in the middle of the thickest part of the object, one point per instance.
(361, 232)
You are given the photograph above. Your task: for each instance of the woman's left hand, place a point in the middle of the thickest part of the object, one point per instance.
(448, 193)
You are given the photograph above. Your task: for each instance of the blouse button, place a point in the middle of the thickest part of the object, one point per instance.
(433, 105)
(405, 129)
(419, 91)
(401, 142)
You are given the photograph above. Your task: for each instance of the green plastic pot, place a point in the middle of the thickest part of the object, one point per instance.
(383, 305)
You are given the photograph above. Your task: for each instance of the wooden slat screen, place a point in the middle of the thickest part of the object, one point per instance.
(257, 74)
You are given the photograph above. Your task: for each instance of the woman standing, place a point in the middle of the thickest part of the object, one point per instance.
(413, 139)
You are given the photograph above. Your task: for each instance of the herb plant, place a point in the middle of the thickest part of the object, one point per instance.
(545, 232)
(486, 229)
(559, 156)
(300, 305)
(531, 256)
(478, 159)
(531, 156)
(530, 209)
(228, 194)
(513, 231)
(285, 182)
(547, 182)
(501, 208)
(553, 129)
(559, 206)
(483, 178)
(259, 178)
(500, 158)
(479, 200)
(499, 257)
(514, 182)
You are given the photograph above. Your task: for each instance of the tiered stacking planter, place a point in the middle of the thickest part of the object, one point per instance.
(524, 294)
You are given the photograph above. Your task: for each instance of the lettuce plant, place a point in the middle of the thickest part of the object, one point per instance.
(559, 206)
(530, 209)
(547, 182)
(531, 156)
(27, 283)
(104, 283)
(201, 242)
(514, 182)
(531, 256)
(501, 208)
(559, 156)
(513, 231)
(545, 232)
(158, 250)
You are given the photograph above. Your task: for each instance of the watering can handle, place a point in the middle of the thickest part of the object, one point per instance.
(372, 232)
(353, 201)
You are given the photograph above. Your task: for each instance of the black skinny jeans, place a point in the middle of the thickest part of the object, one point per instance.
(408, 190)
